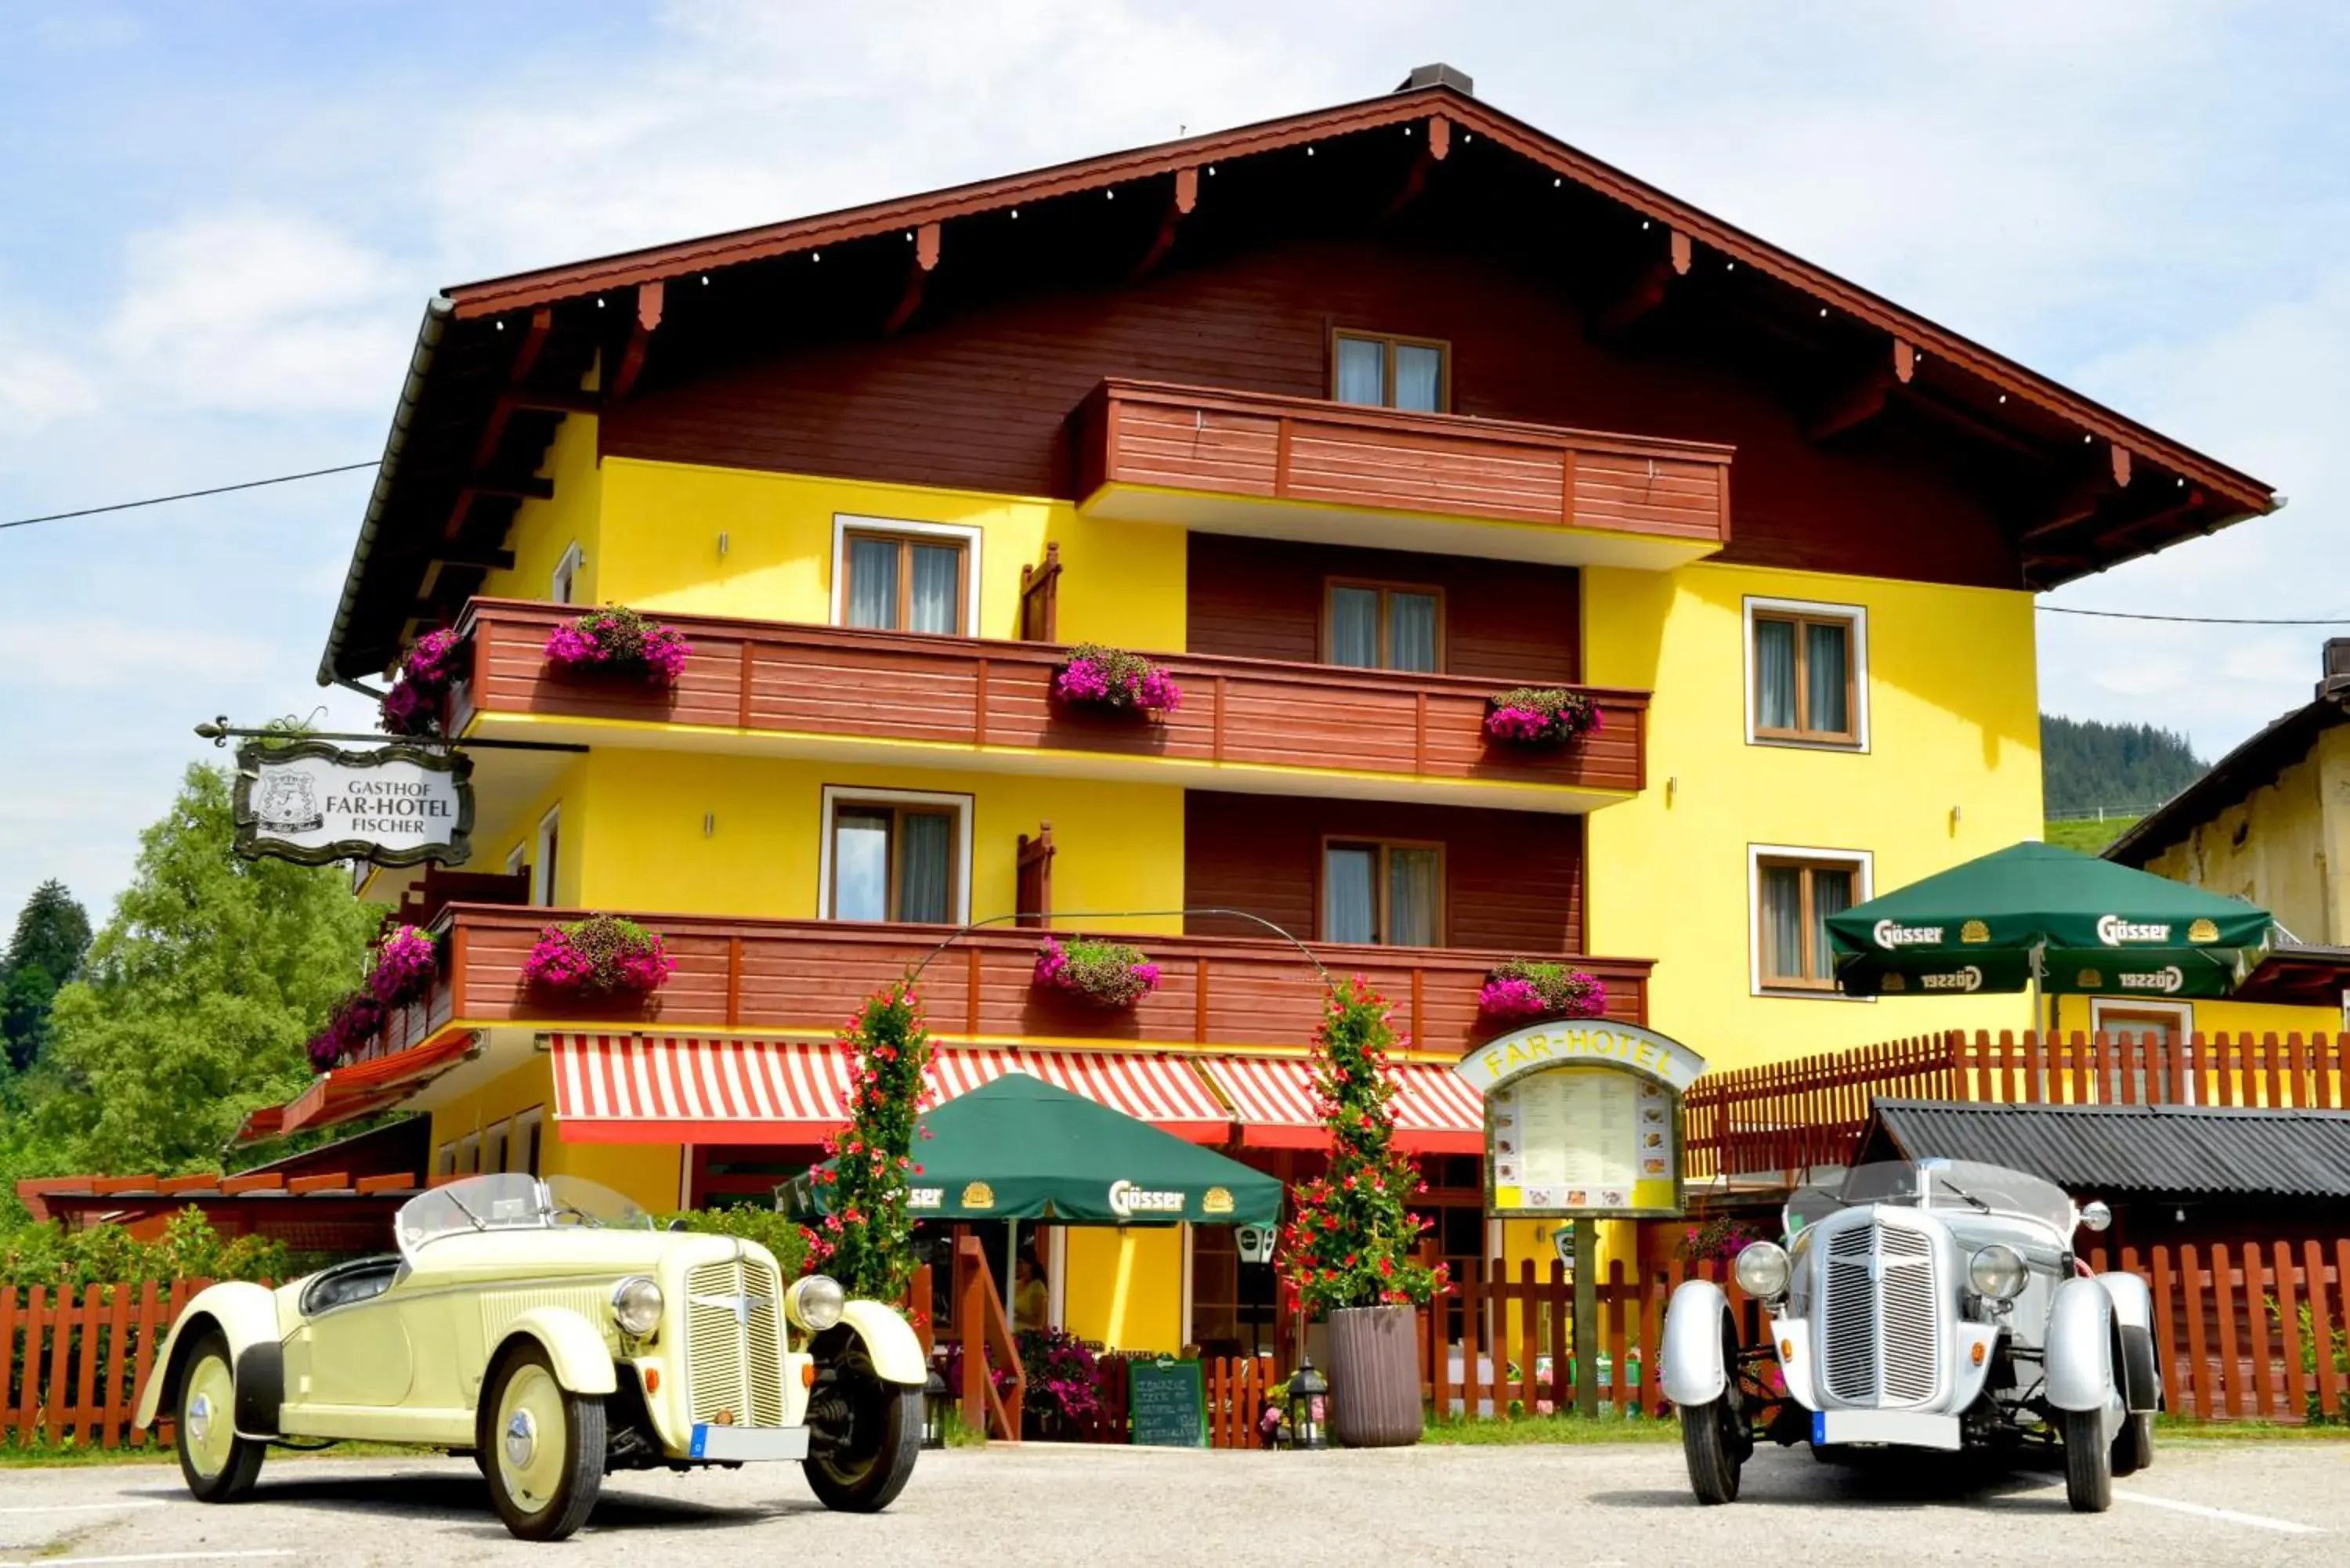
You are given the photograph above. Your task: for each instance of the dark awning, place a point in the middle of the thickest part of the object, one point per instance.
(2104, 1149)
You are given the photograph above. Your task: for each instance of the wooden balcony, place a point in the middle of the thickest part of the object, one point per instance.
(1295, 468)
(779, 976)
(779, 688)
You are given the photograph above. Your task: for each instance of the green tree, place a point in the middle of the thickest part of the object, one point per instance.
(198, 995)
(46, 951)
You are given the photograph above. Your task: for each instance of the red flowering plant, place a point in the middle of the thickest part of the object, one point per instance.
(412, 706)
(351, 1023)
(405, 962)
(866, 1240)
(616, 641)
(1108, 975)
(1064, 1377)
(1111, 678)
(1529, 988)
(602, 955)
(1718, 1239)
(1352, 1241)
(1541, 716)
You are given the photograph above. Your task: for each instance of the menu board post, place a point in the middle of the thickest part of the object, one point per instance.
(1587, 1317)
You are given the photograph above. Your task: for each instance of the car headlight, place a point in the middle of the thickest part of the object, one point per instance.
(814, 1303)
(1997, 1271)
(1762, 1270)
(637, 1306)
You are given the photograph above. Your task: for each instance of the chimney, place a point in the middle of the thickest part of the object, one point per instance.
(2337, 668)
(1439, 75)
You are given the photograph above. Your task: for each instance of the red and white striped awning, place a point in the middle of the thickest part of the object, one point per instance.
(363, 1088)
(1435, 1111)
(669, 1088)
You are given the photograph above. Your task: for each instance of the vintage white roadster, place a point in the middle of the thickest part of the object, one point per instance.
(1933, 1306)
(550, 1331)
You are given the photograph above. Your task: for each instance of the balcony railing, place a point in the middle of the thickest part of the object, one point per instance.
(1136, 442)
(808, 975)
(1783, 1119)
(836, 689)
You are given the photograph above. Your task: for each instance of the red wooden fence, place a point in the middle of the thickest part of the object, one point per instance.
(74, 1358)
(1784, 1116)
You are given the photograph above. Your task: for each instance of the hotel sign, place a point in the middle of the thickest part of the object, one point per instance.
(312, 802)
(1583, 1119)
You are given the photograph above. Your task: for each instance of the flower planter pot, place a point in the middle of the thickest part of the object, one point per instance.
(1373, 1378)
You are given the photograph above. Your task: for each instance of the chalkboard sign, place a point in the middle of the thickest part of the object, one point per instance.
(1168, 1402)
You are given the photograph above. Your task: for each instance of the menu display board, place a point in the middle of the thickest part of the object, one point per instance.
(1582, 1120)
(1168, 1403)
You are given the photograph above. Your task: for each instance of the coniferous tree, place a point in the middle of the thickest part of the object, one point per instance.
(44, 953)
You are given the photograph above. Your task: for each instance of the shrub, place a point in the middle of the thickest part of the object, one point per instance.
(617, 640)
(602, 955)
(779, 1234)
(1100, 677)
(1064, 1377)
(1530, 988)
(108, 1254)
(1540, 715)
(1109, 974)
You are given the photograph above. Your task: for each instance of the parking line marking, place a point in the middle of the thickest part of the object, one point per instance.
(2226, 1515)
(87, 1507)
(149, 1557)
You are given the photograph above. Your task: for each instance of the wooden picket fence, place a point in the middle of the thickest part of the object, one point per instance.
(1784, 1118)
(73, 1360)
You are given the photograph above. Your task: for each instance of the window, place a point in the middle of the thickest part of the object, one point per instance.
(2149, 1032)
(892, 855)
(905, 576)
(1794, 892)
(444, 1159)
(469, 1154)
(1807, 674)
(1389, 372)
(517, 859)
(522, 1153)
(1373, 626)
(542, 875)
(563, 588)
(1387, 893)
(494, 1146)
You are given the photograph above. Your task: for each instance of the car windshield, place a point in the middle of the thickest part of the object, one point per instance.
(512, 1202)
(1942, 1184)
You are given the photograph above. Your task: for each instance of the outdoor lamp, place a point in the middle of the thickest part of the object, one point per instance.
(935, 1400)
(1309, 1407)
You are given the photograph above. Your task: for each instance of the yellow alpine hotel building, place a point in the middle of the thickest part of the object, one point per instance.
(1352, 424)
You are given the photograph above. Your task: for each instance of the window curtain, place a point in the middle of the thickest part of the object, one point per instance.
(873, 584)
(1783, 922)
(1346, 896)
(1831, 895)
(1411, 898)
(1412, 631)
(938, 574)
(925, 866)
(1420, 378)
(1825, 656)
(1355, 627)
(860, 865)
(1362, 371)
(1774, 675)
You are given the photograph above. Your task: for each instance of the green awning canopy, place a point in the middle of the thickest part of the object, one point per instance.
(2088, 927)
(1021, 1149)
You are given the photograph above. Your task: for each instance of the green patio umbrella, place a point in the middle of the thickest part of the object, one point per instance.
(1021, 1149)
(2078, 925)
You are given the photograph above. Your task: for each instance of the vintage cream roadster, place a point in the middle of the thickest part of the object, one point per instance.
(549, 1330)
(1933, 1306)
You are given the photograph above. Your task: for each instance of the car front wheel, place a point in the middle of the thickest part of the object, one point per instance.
(2134, 1444)
(868, 1435)
(219, 1466)
(2088, 1462)
(1714, 1441)
(542, 1447)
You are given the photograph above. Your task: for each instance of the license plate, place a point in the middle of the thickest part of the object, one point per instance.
(1905, 1428)
(749, 1444)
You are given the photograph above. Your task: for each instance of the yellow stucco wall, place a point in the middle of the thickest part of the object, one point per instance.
(2285, 846)
(1125, 1286)
(1953, 721)
(543, 530)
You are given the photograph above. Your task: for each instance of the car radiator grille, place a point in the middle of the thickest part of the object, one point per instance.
(1879, 1337)
(734, 1343)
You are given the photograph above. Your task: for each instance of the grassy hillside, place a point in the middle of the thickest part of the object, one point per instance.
(2089, 835)
(2086, 765)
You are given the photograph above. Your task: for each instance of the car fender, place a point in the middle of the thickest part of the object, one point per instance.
(890, 1342)
(1694, 1368)
(575, 1348)
(247, 1314)
(2138, 1368)
(2080, 1349)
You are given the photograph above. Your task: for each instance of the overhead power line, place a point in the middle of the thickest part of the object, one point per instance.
(2196, 620)
(191, 494)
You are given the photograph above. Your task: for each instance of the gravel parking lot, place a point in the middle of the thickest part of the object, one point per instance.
(1043, 1506)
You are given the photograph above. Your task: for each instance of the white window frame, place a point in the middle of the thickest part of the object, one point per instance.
(563, 585)
(542, 871)
(845, 523)
(469, 1154)
(532, 1124)
(1858, 616)
(444, 1159)
(834, 795)
(1862, 861)
(517, 859)
(2182, 1016)
(497, 1139)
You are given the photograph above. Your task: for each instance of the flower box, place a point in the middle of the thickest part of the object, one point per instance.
(400, 971)
(619, 643)
(420, 685)
(601, 956)
(1112, 680)
(1540, 716)
(1108, 975)
(1523, 990)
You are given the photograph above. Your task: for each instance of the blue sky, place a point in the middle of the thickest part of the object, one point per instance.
(219, 224)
